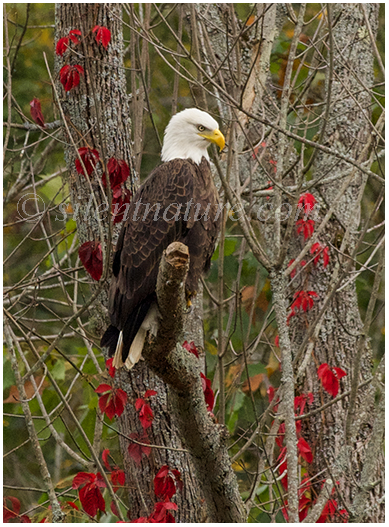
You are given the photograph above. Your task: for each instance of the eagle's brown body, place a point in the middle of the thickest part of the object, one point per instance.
(148, 231)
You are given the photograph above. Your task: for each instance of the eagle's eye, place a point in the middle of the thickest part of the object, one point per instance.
(201, 128)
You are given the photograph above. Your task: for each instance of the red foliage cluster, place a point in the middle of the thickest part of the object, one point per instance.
(90, 494)
(90, 157)
(112, 400)
(208, 392)
(160, 514)
(331, 512)
(146, 415)
(206, 383)
(91, 256)
(306, 227)
(300, 401)
(118, 477)
(317, 250)
(306, 203)
(120, 204)
(118, 172)
(301, 300)
(329, 377)
(11, 510)
(166, 482)
(111, 369)
(36, 112)
(63, 43)
(103, 35)
(70, 76)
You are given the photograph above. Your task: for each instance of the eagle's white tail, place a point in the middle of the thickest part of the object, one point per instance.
(150, 323)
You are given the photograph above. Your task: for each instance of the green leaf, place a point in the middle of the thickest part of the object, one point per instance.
(8, 374)
(254, 369)
(58, 371)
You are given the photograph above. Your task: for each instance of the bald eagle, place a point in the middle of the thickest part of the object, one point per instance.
(177, 202)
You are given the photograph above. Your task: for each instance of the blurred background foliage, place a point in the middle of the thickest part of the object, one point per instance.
(243, 321)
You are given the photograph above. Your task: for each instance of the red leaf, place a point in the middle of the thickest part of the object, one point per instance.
(301, 400)
(113, 402)
(103, 388)
(118, 171)
(165, 483)
(302, 300)
(118, 479)
(90, 495)
(111, 369)
(142, 519)
(317, 249)
(191, 348)
(91, 499)
(329, 378)
(83, 478)
(36, 112)
(90, 157)
(146, 415)
(339, 372)
(11, 510)
(120, 205)
(114, 509)
(161, 512)
(70, 76)
(73, 34)
(103, 35)
(281, 435)
(104, 457)
(332, 513)
(306, 227)
(91, 257)
(62, 46)
(307, 201)
(270, 393)
(305, 450)
(149, 393)
(208, 392)
(277, 341)
(137, 451)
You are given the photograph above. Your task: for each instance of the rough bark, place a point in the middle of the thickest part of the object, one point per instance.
(205, 440)
(348, 129)
(97, 115)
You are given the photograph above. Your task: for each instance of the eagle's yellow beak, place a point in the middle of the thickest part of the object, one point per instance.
(215, 137)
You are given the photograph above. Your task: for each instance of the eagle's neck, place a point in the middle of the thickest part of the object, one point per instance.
(177, 148)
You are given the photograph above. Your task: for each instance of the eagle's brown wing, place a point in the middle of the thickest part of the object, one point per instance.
(155, 219)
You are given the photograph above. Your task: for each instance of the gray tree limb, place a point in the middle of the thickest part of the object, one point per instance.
(205, 440)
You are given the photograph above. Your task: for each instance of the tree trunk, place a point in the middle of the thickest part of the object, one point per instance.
(97, 116)
(338, 447)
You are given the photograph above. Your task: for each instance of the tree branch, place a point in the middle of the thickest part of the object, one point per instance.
(205, 441)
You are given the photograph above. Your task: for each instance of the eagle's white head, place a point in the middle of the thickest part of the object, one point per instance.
(188, 135)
